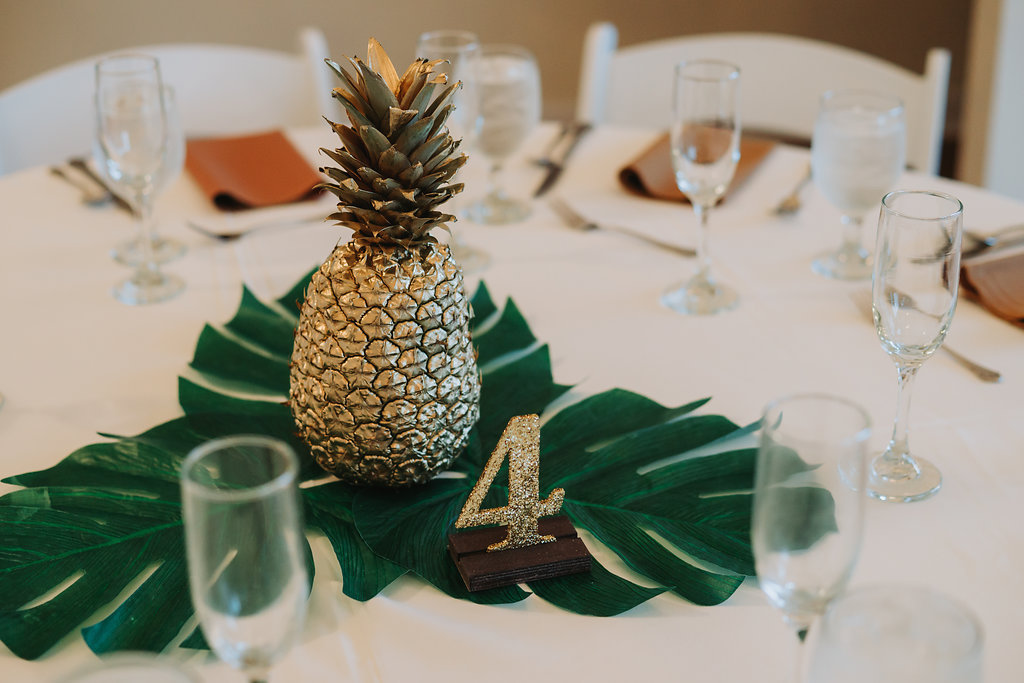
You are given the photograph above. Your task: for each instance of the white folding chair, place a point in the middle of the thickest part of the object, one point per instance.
(220, 90)
(782, 76)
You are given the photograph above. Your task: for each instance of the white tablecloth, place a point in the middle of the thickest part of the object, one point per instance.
(75, 361)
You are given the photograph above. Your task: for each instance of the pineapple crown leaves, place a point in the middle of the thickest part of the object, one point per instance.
(397, 157)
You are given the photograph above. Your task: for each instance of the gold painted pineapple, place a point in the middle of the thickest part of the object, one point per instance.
(384, 382)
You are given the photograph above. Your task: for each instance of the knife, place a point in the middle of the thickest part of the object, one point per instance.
(558, 161)
(81, 165)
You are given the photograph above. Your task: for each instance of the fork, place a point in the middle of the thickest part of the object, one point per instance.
(791, 203)
(577, 221)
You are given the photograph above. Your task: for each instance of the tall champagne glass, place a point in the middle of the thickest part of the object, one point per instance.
(808, 502)
(461, 50)
(131, 133)
(914, 292)
(164, 249)
(705, 150)
(857, 154)
(509, 110)
(246, 548)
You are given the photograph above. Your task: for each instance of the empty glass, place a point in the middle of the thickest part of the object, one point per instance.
(509, 110)
(808, 502)
(246, 548)
(705, 150)
(914, 292)
(897, 634)
(164, 249)
(857, 154)
(132, 144)
(461, 49)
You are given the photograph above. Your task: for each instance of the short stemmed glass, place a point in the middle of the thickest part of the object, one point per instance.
(246, 548)
(808, 502)
(164, 249)
(131, 134)
(914, 292)
(857, 154)
(461, 49)
(509, 110)
(705, 150)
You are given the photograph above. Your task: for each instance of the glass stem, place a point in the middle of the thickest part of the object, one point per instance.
(897, 455)
(703, 254)
(493, 174)
(147, 269)
(852, 232)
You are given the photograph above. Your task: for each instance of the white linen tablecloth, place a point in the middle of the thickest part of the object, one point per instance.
(75, 362)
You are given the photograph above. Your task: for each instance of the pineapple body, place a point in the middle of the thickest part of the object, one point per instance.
(384, 383)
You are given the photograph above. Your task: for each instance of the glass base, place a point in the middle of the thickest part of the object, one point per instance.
(148, 288)
(903, 483)
(499, 209)
(700, 298)
(844, 265)
(164, 250)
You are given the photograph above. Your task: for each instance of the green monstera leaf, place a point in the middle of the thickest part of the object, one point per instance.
(103, 527)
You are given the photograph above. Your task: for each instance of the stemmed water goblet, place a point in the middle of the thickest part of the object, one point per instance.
(461, 50)
(914, 293)
(808, 502)
(705, 150)
(858, 151)
(132, 146)
(164, 249)
(509, 104)
(246, 548)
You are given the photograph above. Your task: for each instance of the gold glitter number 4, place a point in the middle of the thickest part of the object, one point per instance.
(521, 443)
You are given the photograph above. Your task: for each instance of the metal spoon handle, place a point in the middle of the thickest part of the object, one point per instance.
(980, 371)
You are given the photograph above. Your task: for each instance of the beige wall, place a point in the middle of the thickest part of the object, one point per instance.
(36, 35)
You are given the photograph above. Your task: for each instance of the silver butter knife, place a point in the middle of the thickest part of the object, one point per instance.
(560, 157)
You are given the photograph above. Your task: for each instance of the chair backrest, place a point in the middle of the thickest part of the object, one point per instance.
(220, 90)
(783, 78)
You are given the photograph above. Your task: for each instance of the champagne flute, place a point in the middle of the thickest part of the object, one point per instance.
(131, 133)
(705, 150)
(246, 548)
(914, 293)
(164, 249)
(461, 49)
(858, 151)
(509, 109)
(808, 502)
(891, 633)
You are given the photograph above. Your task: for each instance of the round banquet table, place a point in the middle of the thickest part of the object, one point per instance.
(76, 362)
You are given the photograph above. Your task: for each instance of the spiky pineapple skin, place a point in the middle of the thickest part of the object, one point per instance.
(384, 383)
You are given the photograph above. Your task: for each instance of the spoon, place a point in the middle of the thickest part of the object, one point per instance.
(92, 194)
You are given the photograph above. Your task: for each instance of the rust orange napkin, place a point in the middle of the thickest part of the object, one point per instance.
(651, 173)
(250, 171)
(996, 281)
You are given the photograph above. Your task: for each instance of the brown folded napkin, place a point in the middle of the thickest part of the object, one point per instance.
(651, 172)
(250, 171)
(996, 281)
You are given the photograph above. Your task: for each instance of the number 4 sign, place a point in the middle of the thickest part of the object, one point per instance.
(524, 548)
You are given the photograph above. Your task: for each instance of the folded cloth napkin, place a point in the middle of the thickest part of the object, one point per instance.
(651, 173)
(996, 280)
(251, 170)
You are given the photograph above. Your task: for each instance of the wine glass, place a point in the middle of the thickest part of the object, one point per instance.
(891, 633)
(246, 548)
(461, 49)
(131, 133)
(164, 249)
(808, 502)
(858, 151)
(705, 150)
(509, 110)
(913, 293)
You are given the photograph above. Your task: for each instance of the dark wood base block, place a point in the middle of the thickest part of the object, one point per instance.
(481, 570)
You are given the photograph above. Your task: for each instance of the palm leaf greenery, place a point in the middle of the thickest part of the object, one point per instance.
(102, 531)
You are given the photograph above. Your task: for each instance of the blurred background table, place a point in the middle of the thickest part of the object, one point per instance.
(75, 362)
